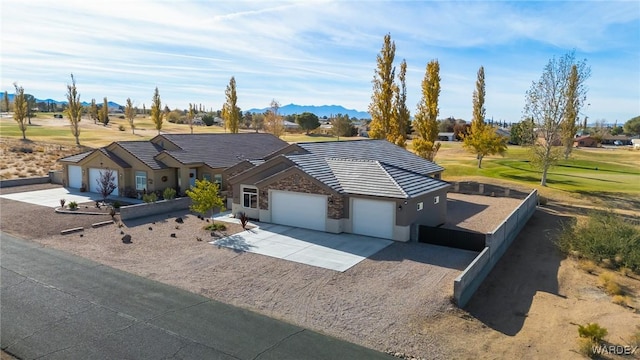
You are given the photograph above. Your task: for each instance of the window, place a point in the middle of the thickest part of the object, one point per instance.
(420, 205)
(436, 199)
(217, 178)
(206, 176)
(141, 180)
(250, 198)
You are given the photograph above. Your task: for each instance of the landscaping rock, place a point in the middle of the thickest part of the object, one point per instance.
(121, 232)
(150, 228)
(173, 235)
(179, 220)
(126, 239)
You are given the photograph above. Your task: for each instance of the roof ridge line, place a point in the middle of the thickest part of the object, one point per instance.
(381, 165)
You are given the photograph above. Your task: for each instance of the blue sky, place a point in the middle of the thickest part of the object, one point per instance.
(317, 52)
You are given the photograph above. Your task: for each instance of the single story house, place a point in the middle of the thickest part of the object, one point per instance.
(368, 187)
(585, 141)
(167, 160)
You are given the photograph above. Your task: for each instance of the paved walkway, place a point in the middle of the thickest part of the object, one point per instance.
(337, 252)
(51, 197)
(58, 306)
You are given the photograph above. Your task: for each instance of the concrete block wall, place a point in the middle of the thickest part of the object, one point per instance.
(24, 181)
(159, 207)
(497, 243)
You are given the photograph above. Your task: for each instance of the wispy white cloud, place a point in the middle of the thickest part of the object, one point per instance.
(318, 52)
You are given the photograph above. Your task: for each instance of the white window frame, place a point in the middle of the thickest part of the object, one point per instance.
(248, 195)
(436, 200)
(420, 206)
(217, 178)
(141, 175)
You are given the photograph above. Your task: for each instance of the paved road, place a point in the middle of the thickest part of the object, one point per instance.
(54, 305)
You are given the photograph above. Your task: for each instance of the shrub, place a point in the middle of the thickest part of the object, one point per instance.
(244, 220)
(121, 127)
(608, 282)
(215, 227)
(621, 300)
(587, 266)
(116, 204)
(149, 198)
(603, 237)
(593, 332)
(62, 202)
(169, 193)
(73, 205)
(542, 200)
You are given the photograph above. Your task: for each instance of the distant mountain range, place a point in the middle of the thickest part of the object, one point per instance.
(320, 111)
(291, 109)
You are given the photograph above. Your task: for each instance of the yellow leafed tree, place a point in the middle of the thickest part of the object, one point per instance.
(483, 139)
(425, 122)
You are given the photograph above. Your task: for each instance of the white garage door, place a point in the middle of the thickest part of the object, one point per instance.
(75, 176)
(373, 217)
(307, 211)
(94, 175)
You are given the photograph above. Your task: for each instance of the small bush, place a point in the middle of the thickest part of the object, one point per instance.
(244, 220)
(73, 205)
(621, 300)
(608, 282)
(215, 227)
(587, 266)
(62, 202)
(169, 193)
(586, 347)
(593, 332)
(542, 200)
(117, 204)
(149, 198)
(121, 127)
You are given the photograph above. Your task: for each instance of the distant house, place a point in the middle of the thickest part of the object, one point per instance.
(585, 141)
(167, 160)
(446, 136)
(636, 143)
(289, 125)
(616, 140)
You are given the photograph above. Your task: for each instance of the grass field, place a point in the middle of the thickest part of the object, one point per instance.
(608, 175)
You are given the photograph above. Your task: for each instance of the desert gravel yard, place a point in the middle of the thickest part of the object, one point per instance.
(382, 302)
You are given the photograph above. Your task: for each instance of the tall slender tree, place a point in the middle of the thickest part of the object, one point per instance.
(426, 118)
(104, 112)
(5, 100)
(20, 109)
(74, 109)
(401, 115)
(381, 108)
(31, 103)
(190, 115)
(547, 103)
(93, 111)
(230, 110)
(130, 114)
(569, 127)
(483, 139)
(156, 110)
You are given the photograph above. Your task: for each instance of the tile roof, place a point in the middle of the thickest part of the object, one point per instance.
(77, 157)
(376, 150)
(115, 158)
(145, 151)
(222, 150)
(366, 177)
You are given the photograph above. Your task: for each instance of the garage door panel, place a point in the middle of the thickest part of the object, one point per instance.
(373, 218)
(94, 175)
(75, 176)
(307, 211)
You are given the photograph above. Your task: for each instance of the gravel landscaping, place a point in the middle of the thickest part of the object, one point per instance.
(381, 303)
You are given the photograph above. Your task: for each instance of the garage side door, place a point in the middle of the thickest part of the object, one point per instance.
(307, 211)
(373, 217)
(94, 175)
(75, 176)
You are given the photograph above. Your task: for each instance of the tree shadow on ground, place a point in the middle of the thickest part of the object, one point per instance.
(530, 265)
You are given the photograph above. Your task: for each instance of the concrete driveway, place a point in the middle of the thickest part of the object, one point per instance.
(51, 197)
(337, 252)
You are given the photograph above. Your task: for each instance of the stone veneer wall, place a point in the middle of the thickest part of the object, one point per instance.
(298, 183)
